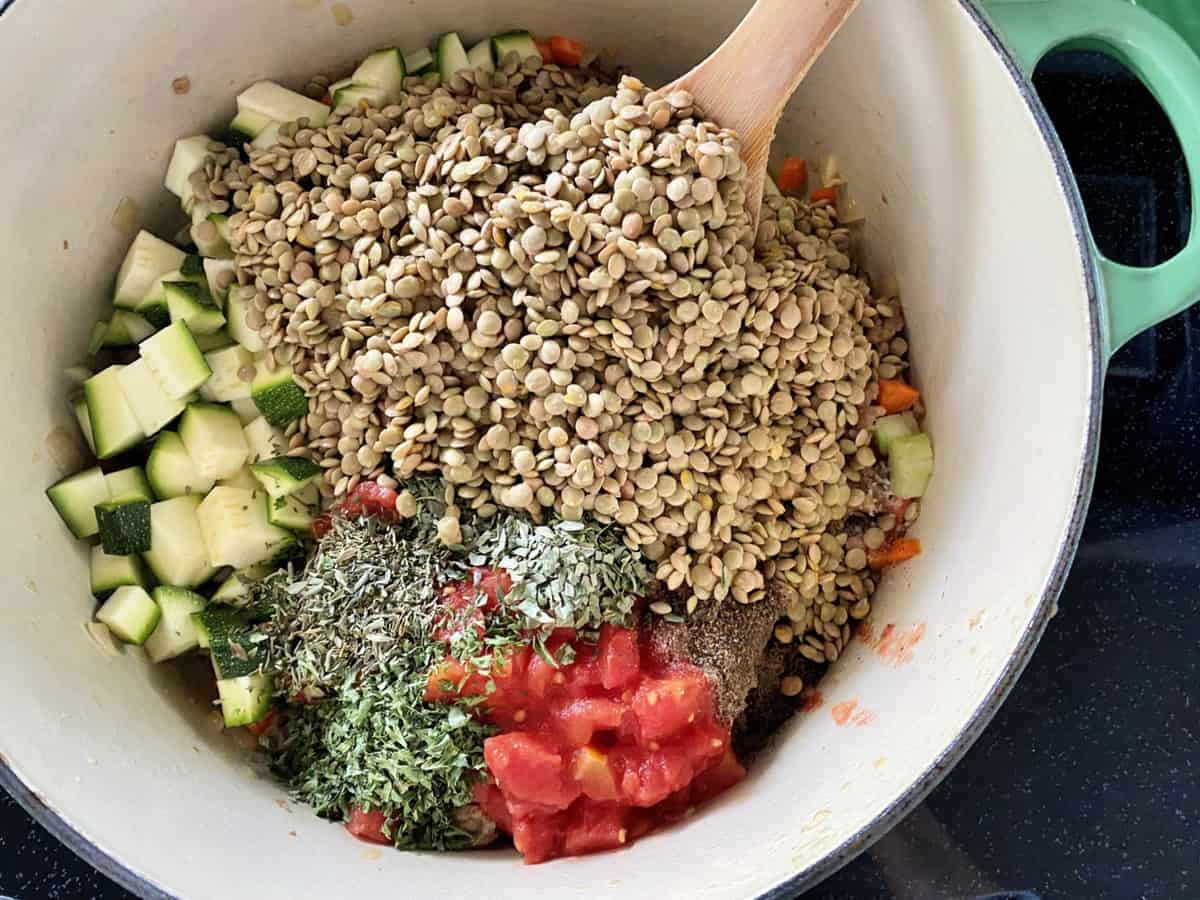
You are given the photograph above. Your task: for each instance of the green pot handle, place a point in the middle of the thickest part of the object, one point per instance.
(1137, 299)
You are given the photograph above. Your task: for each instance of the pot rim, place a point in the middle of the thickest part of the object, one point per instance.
(56, 823)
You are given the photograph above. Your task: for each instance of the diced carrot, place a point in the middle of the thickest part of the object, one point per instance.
(825, 194)
(896, 552)
(793, 176)
(566, 51)
(896, 396)
(544, 48)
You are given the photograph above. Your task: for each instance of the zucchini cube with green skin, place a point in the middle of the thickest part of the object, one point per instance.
(285, 475)
(237, 305)
(170, 470)
(278, 397)
(264, 440)
(211, 237)
(76, 497)
(130, 614)
(175, 360)
(214, 440)
(152, 406)
(383, 69)
(281, 105)
(235, 653)
(357, 95)
(115, 428)
(188, 156)
(147, 260)
(125, 329)
(226, 383)
(216, 622)
(242, 478)
(519, 42)
(451, 55)
(290, 512)
(236, 529)
(177, 553)
(247, 412)
(245, 700)
(235, 590)
(96, 341)
(218, 340)
(246, 125)
(419, 62)
(110, 572)
(124, 527)
(910, 465)
(79, 407)
(128, 484)
(176, 632)
(191, 303)
(889, 428)
(220, 275)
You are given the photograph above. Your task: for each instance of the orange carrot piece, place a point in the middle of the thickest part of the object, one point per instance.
(826, 194)
(793, 177)
(896, 396)
(897, 551)
(566, 51)
(543, 47)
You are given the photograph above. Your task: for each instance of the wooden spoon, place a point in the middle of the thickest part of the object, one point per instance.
(745, 83)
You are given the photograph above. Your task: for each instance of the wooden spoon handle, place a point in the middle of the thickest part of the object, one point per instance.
(745, 82)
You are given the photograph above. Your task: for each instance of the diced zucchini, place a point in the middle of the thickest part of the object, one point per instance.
(128, 484)
(130, 614)
(237, 304)
(247, 124)
(148, 259)
(176, 632)
(85, 421)
(285, 475)
(215, 622)
(126, 329)
(218, 340)
(419, 62)
(221, 275)
(115, 428)
(888, 428)
(519, 42)
(191, 303)
(76, 497)
(910, 465)
(96, 341)
(188, 156)
(358, 95)
(152, 406)
(170, 469)
(245, 700)
(290, 512)
(480, 56)
(242, 478)
(210, 236)
(264, 440)
(268, 137)
(235, 590)
(235, 653)
(247, 412)
(236, 529)
(214, 440)
(124, 527)
(278, 397)
(227, 365)
(451, 55)
(276, 102)
(176, 361)
(383, 69)
(177, 552)
(111, 572)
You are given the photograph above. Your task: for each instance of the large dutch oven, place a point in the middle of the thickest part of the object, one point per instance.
(969, 204)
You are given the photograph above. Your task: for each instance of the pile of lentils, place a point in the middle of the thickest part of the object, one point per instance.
(543, 284)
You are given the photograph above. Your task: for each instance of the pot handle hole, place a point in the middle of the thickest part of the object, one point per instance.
(1137, 298)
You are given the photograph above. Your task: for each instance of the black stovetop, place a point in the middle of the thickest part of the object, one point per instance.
(1085, 784)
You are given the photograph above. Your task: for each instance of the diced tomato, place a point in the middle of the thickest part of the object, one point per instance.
(450, 680)
(370, 498)
(824, 195)
(793, 176)
(566, 51)
(321, 525)
(491, 800)
(367, 825)
(580, 719)
(712, 781)
(260, 727)
(327, 98)
(540, 676)
(543, 47)
(595, 827)
(620, 658)
(654, 775)
(528, 767)
(537, 839)
(591, 769)
(665, 706)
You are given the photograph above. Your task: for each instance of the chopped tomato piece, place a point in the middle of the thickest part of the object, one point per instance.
(261, 726)
(793, 177)
(595, 776)
(321, 525)
(665, 706)
(544, 48)
(450, 679)
(897, 551)
(566, 51)
(896, 396)
(580, 719)
(620, 658)
(595, 827)
(327, 99)
(718, 778)
(529, 768)
(652, 776)
(824, 195)
(367, 825)
(537, 840)
(371, 499)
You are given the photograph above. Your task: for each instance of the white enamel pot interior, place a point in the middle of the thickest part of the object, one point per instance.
(966, 206)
